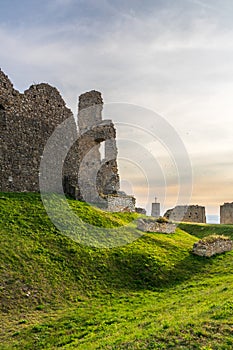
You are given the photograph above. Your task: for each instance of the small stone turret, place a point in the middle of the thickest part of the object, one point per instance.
(212, 245)
(155, 211)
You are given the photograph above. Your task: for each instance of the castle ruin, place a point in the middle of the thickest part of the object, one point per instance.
(28, 119)
(186, 213)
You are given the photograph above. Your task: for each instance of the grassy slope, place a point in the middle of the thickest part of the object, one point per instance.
(150, 294)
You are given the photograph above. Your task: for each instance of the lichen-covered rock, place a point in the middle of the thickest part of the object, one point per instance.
(150, 225)
(212, 245)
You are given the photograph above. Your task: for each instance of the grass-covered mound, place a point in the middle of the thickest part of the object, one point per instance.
(150, 294)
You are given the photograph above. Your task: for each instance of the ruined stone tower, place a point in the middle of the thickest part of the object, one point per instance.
(97, 176)
(28, 120)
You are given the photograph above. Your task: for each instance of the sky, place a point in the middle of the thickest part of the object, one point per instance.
(170, 58)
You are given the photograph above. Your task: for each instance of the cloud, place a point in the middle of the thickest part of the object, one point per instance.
(172, 57)
(204, 4)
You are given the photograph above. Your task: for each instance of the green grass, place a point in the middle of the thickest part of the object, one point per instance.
(152, 293)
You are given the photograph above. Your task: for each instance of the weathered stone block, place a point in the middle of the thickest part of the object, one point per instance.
(120, 203)
(212, 245)
(150, 225)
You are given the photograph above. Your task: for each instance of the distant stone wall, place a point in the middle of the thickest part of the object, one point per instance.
(140, 211)
(155, 210)
(120, 203)
(149, 225)
(184, 213)
(226, 213)
(213, 246)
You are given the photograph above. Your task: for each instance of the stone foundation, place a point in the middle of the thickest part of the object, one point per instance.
(150, 225)
(212, 245)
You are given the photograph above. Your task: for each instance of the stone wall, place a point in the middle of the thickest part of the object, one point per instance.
(150, 225)
(140, 210)
(184, 213)
(120, 203)
(226, 213)
(28, 119)
(212, 245)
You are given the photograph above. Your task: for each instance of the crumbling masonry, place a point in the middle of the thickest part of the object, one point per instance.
(28, 120)
(184, 213)
(226, 213)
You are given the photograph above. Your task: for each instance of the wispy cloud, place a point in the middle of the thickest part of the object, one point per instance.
(204, 4)
(171, 57)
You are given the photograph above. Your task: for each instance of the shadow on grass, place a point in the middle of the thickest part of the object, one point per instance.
(203, 230)
(142, 270)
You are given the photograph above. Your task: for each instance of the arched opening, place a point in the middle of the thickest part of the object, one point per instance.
(102, 150)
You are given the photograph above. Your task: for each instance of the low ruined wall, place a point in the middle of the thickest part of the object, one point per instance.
(140, 211)
(226, 213)
(119, 203)
(212, 247)
(148, 225)
(184, 213)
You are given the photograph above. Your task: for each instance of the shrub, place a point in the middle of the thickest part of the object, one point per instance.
(162, 220)
(213, 238)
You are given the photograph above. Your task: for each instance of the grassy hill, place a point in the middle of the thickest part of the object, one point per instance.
(56, 293)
